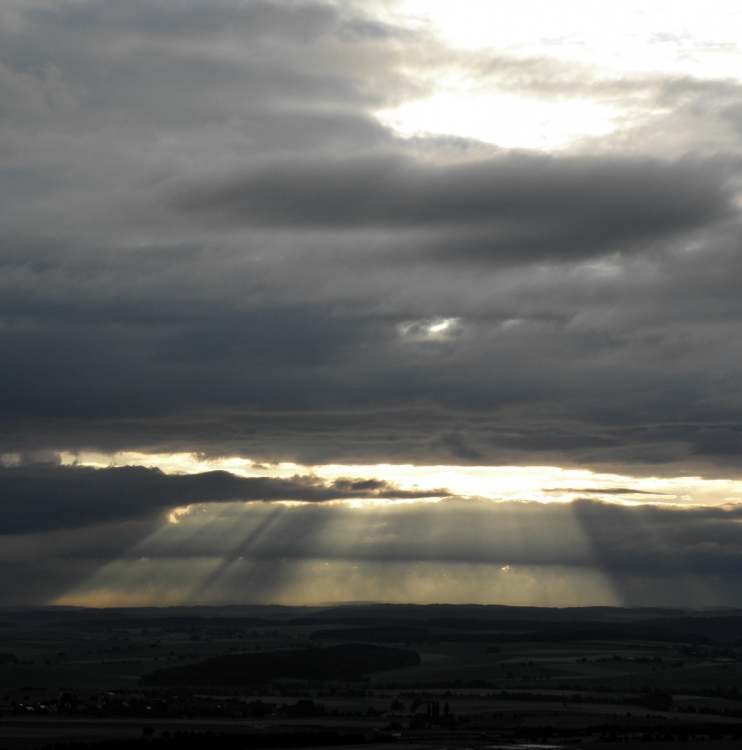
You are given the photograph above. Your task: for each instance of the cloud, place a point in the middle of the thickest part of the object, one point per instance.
(44, 497)
(208, 241)
(186, 18)
(517, 207)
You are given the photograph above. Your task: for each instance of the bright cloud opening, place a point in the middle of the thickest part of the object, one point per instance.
(529, 483)
(614, 43)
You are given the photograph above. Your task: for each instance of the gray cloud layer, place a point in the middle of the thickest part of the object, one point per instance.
(634, 197)
(517, 206)
(209, 241)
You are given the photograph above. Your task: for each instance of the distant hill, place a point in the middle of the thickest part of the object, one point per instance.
(479, 614)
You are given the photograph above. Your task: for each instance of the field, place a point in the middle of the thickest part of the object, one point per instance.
(464, 677)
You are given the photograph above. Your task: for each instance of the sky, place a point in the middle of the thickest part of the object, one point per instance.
(394, 300)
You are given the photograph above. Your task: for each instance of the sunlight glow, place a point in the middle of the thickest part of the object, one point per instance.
(431, 329)
(528, 483)
(506, 120)
(673, 36)
(629, 40)
(177, 513)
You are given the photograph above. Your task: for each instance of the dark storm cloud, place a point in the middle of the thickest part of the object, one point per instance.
(39, 498)
(518, 206)
(662, 540)
(210, 242)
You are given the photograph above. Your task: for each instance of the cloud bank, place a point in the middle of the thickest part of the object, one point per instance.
(212, 240)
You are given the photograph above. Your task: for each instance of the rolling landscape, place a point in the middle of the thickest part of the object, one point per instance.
(376, 675)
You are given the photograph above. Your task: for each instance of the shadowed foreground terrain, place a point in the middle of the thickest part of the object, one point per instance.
(348, 662)
(374, 675)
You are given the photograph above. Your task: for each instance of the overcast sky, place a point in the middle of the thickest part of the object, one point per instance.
(276, 275)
